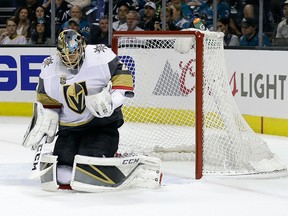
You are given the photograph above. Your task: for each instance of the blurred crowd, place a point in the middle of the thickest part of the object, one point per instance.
(239, 20)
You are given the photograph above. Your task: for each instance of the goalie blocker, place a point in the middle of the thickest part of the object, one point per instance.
(92, 174)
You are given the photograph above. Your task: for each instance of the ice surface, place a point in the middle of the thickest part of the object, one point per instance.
(180, 194)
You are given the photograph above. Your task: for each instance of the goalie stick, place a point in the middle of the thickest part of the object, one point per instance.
(36, 172)
(31, 125)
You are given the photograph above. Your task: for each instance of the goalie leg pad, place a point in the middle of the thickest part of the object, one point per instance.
(92, 174)
(149, 175)
(48, 179)
(54, 176)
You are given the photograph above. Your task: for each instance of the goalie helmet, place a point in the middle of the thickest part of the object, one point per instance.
(70, 48)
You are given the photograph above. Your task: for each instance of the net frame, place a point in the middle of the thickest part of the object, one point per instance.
(198, 84)
(199, 66)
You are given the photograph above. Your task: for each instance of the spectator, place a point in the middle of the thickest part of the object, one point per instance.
(276, 10)
(32, 5)
(133, 19)
(132, 4)
(40, 13)
(100, 35)
(40, 35)
(250, 34)
(139, 4)
(282, 28)
(170, 26)
(121, 17)
(178, 20)
(229, 39)
(11, 36)
(22, 15)
(61, 13)
(236, 16)
(194, 3)
(74, 24)
(80, 3)
(46, 3)
(76, 12)
(205, 11)
(174, 3)
(251, 10)
(185, 8)
(96, 10)
(149, 19)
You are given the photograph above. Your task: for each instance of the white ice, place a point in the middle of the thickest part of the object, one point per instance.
(178, 195)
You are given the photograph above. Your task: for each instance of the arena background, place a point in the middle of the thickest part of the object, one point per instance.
(258, 81)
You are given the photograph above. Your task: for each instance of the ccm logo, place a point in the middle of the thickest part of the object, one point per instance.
(130, 161)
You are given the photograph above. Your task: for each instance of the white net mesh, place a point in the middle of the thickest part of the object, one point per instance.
(160, 119)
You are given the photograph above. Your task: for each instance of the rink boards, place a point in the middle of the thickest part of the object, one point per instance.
(258, 80)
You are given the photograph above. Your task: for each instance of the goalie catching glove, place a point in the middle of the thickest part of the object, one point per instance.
(100, 105)
(44, 122)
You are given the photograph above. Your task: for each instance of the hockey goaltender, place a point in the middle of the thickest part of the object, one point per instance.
(80, 93)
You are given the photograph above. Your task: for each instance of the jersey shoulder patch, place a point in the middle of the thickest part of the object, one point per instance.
(48, 67)
(98, 54)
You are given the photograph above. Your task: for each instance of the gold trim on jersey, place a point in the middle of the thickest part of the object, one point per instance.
(123, 80)
(75, 124)
(47, 101)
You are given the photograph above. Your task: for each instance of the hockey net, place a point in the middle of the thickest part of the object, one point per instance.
(183, 107)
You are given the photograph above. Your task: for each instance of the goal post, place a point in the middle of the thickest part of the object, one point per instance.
(183, 106)
(198, 83)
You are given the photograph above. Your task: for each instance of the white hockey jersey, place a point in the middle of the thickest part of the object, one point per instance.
(19, 39)
(59, 87)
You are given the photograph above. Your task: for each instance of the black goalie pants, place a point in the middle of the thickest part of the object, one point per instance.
(97, 141)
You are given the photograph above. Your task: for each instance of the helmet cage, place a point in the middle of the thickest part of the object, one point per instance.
(70, 48)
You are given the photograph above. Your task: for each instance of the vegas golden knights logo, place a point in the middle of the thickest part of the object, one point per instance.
(75, 96)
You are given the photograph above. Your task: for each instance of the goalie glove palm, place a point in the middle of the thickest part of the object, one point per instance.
(100, 105)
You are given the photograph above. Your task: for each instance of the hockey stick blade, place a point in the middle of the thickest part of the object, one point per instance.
(36, 163)
(31, 125)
